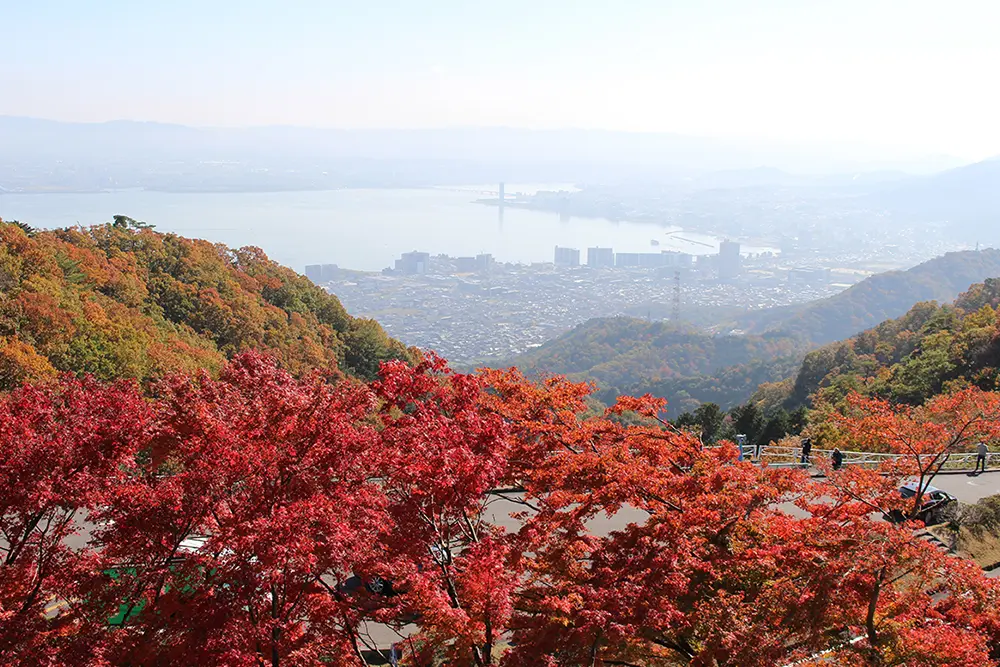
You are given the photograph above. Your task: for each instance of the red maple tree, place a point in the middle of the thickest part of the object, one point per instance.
(923, 439)
(64, 448)
(257, 518)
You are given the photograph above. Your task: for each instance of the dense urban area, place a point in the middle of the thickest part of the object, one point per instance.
(475, 309)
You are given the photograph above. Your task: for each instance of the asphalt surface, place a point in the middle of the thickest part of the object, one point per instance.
(969, 487)
(965, 486)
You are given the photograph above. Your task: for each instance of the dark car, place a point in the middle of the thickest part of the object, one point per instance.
(374, 584)
(931, 504)
(377, 585)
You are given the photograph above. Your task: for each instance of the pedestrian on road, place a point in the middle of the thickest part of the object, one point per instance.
(807, 446)
(980, 456)
(838, 458)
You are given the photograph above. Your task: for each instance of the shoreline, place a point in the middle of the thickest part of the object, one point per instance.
(762, 245)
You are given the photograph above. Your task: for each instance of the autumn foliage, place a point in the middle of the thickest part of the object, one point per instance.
(261, 518)
(922, 439)
(931, 349)
(121, 300)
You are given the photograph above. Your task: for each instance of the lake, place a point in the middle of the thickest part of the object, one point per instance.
(357, 229)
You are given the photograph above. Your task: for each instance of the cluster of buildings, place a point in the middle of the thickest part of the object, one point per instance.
(477, 317)
(473, 309)
(322, 273)
(727, 266)
(422, 263)
(728, 262)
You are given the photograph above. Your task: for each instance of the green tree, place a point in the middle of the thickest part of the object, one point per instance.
(747, 420)
(776, 427)
(706, 419)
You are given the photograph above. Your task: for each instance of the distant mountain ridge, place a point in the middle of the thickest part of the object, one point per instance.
(688, 366)
(967, 197)
(877, 298)
(33, 137)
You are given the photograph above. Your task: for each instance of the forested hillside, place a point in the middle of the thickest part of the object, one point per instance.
(124, 301)
(258, 514)
(932, 348)
(260, 519)
(680, 363)
(726, 387)
(878, 298)
(687, 366)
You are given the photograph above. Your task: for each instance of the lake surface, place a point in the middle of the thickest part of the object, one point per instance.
(357, 229)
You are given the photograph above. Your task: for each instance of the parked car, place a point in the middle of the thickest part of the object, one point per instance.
(377, 585)
(931, 504)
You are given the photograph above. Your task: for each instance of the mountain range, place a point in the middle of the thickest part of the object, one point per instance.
(689, 366)
(576, 153)
(879, 297)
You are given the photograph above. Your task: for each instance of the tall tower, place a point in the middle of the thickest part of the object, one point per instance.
(501, 197)
(675, 313)
(729, 260)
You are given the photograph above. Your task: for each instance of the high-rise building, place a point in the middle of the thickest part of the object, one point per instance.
(484, 263)
(329, 272)
(652, 260)
(600, 257)
(676, 260)
(321, 273)
(413, 263)
(626, 259)
(729, 260)
(567, 257)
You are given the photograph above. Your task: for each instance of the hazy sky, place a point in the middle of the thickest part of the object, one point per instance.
(914, 74)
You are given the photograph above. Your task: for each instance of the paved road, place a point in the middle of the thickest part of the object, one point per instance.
(968, 487)
(964, 486)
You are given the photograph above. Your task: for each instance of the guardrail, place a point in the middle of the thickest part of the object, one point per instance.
(792, 457)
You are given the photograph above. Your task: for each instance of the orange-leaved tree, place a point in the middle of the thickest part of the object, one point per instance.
(714, 561)
(922, 438)
(262, 519)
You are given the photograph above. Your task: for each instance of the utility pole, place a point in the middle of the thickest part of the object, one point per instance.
(675, 314)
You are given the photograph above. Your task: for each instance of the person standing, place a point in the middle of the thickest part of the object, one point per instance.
(838, 458)
(806, 449)
(980, 456)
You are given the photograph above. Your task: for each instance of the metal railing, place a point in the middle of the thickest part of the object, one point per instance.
(792, 457)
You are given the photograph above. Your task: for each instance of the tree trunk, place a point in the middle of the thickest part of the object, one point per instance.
(870, 618)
